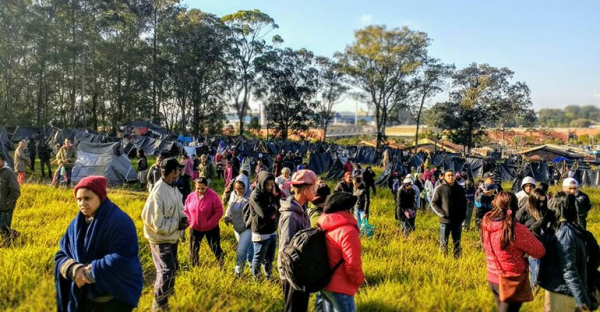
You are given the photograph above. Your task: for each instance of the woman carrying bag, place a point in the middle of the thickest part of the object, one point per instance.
(506, 242)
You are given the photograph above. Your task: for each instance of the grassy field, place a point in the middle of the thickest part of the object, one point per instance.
(401, 274)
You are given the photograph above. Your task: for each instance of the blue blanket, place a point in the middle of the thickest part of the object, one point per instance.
(110, 244)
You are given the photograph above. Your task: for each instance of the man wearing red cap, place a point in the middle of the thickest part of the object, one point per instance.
(293, 219)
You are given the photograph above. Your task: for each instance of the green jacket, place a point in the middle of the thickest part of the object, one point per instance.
(67, 157)
(314, 213)
(207, 170)
(9, 189)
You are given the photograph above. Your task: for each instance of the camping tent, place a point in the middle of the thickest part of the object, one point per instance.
(105, 159)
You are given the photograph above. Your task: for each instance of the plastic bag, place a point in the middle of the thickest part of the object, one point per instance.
(366, 230)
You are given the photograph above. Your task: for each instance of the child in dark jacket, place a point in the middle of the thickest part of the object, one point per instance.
(470, 190)
(361, 208)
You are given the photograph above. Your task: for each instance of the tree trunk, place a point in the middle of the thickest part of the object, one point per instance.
(419, 122)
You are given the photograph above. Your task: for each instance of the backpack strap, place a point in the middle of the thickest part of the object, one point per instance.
(338, 265)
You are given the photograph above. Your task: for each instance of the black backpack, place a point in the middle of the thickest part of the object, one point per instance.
(305, 263)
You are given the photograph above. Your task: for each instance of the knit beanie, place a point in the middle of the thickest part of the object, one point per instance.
(96, 184)
(340, 201)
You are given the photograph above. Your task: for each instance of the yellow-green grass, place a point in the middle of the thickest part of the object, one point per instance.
(401, 274)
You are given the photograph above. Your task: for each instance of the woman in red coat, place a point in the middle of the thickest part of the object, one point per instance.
(506, 242)
(343, 243)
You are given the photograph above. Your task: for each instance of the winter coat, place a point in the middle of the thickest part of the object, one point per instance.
(207, 170)
(450, 203)
(583, 204)
(67, 156)
(9, 189)
(525, 218)
(235, 210)
(293, 218)
(162, 213)
(511, 260)
(265, 206)
(342, 186)
(21, 160)
(343, 242)
(564, 268)
(203, 212)
(363, 199)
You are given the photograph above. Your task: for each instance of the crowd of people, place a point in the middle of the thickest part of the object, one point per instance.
(531, 239)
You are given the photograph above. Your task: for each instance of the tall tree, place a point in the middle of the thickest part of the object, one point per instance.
(382, 62)
(249, 32)
(195, 49)
(332, 86)
(431, 82)
(288, 88)
(480, 96)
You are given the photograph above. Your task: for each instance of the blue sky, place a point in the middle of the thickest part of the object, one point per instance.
(554, 46)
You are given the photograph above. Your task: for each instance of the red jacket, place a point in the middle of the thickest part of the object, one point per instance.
(342, 235)
(203, 213)
(512, 259)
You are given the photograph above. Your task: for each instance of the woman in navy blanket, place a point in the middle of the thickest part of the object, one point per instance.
(97, 267)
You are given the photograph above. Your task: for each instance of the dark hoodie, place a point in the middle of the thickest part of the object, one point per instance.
(264, 205)
(293, 219)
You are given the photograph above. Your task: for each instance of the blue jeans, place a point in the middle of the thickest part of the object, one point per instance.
(534, 271)
(334, 302)
(245, 250)
(447, 229)
(359, 214)
(264, 253)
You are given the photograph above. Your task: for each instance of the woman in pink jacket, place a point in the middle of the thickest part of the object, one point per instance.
(204, 209)
(343, 246)
(506, 242)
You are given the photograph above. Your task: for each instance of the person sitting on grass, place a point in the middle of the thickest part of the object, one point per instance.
(97, 267)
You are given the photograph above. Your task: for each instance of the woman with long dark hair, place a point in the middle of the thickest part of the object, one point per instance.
(563, 272)
(506, 242)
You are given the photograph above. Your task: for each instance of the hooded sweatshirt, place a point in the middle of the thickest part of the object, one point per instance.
(293, 218)
(264, 206)
(510, 261)
(343, 242)
(203, 212)
(235, 208)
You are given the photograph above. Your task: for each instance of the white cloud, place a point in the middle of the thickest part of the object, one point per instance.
(597, 96)
(366, 19)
